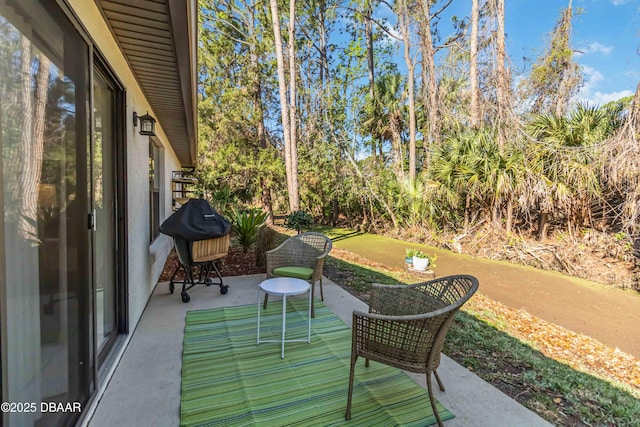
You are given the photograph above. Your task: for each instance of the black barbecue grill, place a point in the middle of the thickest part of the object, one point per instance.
(201, 237)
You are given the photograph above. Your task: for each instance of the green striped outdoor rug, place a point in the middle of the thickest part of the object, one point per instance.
(228, 380)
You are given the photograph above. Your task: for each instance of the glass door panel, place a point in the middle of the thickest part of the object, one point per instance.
(44, 83)
(104, 205)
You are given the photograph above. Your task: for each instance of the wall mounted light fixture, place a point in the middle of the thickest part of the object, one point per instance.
(147, 124)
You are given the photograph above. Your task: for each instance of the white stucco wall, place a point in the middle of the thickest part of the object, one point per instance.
(161, 246)
(145, 260)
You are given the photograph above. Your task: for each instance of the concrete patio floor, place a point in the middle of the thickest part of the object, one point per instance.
(145, 387)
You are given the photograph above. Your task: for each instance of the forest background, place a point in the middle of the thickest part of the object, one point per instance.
(304, 106)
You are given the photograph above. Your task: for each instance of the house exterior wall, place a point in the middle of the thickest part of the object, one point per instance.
(145, 260)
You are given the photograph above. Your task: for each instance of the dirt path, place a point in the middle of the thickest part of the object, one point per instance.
(611, 316)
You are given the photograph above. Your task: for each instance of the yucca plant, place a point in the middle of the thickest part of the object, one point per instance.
(246, 224)
(223, 199)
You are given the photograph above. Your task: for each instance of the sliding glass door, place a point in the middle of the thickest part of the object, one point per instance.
(60, 240)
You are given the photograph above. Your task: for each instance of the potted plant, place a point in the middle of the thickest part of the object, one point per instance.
(421, 261)
(408, 257)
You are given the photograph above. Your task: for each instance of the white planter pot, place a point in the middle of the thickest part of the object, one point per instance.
(420, 263)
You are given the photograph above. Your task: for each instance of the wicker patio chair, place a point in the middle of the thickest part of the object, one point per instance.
(301, 256)
(406, 327)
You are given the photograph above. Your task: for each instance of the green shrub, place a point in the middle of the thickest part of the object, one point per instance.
(246, 224)
(223, 199)
(298, 220)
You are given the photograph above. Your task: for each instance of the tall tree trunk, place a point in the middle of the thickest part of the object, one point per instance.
(564, 91)
(403, 15)
(396, 137)
(324, 57)
(294, 195)
(368, 28)
(259, 109)
(503, 79)
(430, 89)
(262, 140)
(509, 225)
(284, 103)
(474, 108)
(496, 212)
(543, 225)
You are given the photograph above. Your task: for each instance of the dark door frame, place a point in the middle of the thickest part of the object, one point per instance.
(120, 250)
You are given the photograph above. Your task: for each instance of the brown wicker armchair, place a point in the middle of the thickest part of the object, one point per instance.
(301, 256)
(406, 326)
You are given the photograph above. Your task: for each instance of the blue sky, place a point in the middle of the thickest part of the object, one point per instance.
(606, 34)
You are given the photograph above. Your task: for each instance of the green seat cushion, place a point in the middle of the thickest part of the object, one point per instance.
(291, 271)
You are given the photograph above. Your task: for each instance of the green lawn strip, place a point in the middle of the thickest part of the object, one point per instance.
(359, 277)
(334, 232)
(552, 389)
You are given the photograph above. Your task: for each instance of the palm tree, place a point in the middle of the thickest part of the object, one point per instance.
(384, 116)
(453, 172)
(565, 161)
(500, 174)
(471, 165)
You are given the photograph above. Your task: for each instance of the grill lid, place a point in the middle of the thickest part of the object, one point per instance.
(195, 220)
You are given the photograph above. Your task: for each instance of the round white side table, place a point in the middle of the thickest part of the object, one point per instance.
(284, 287)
